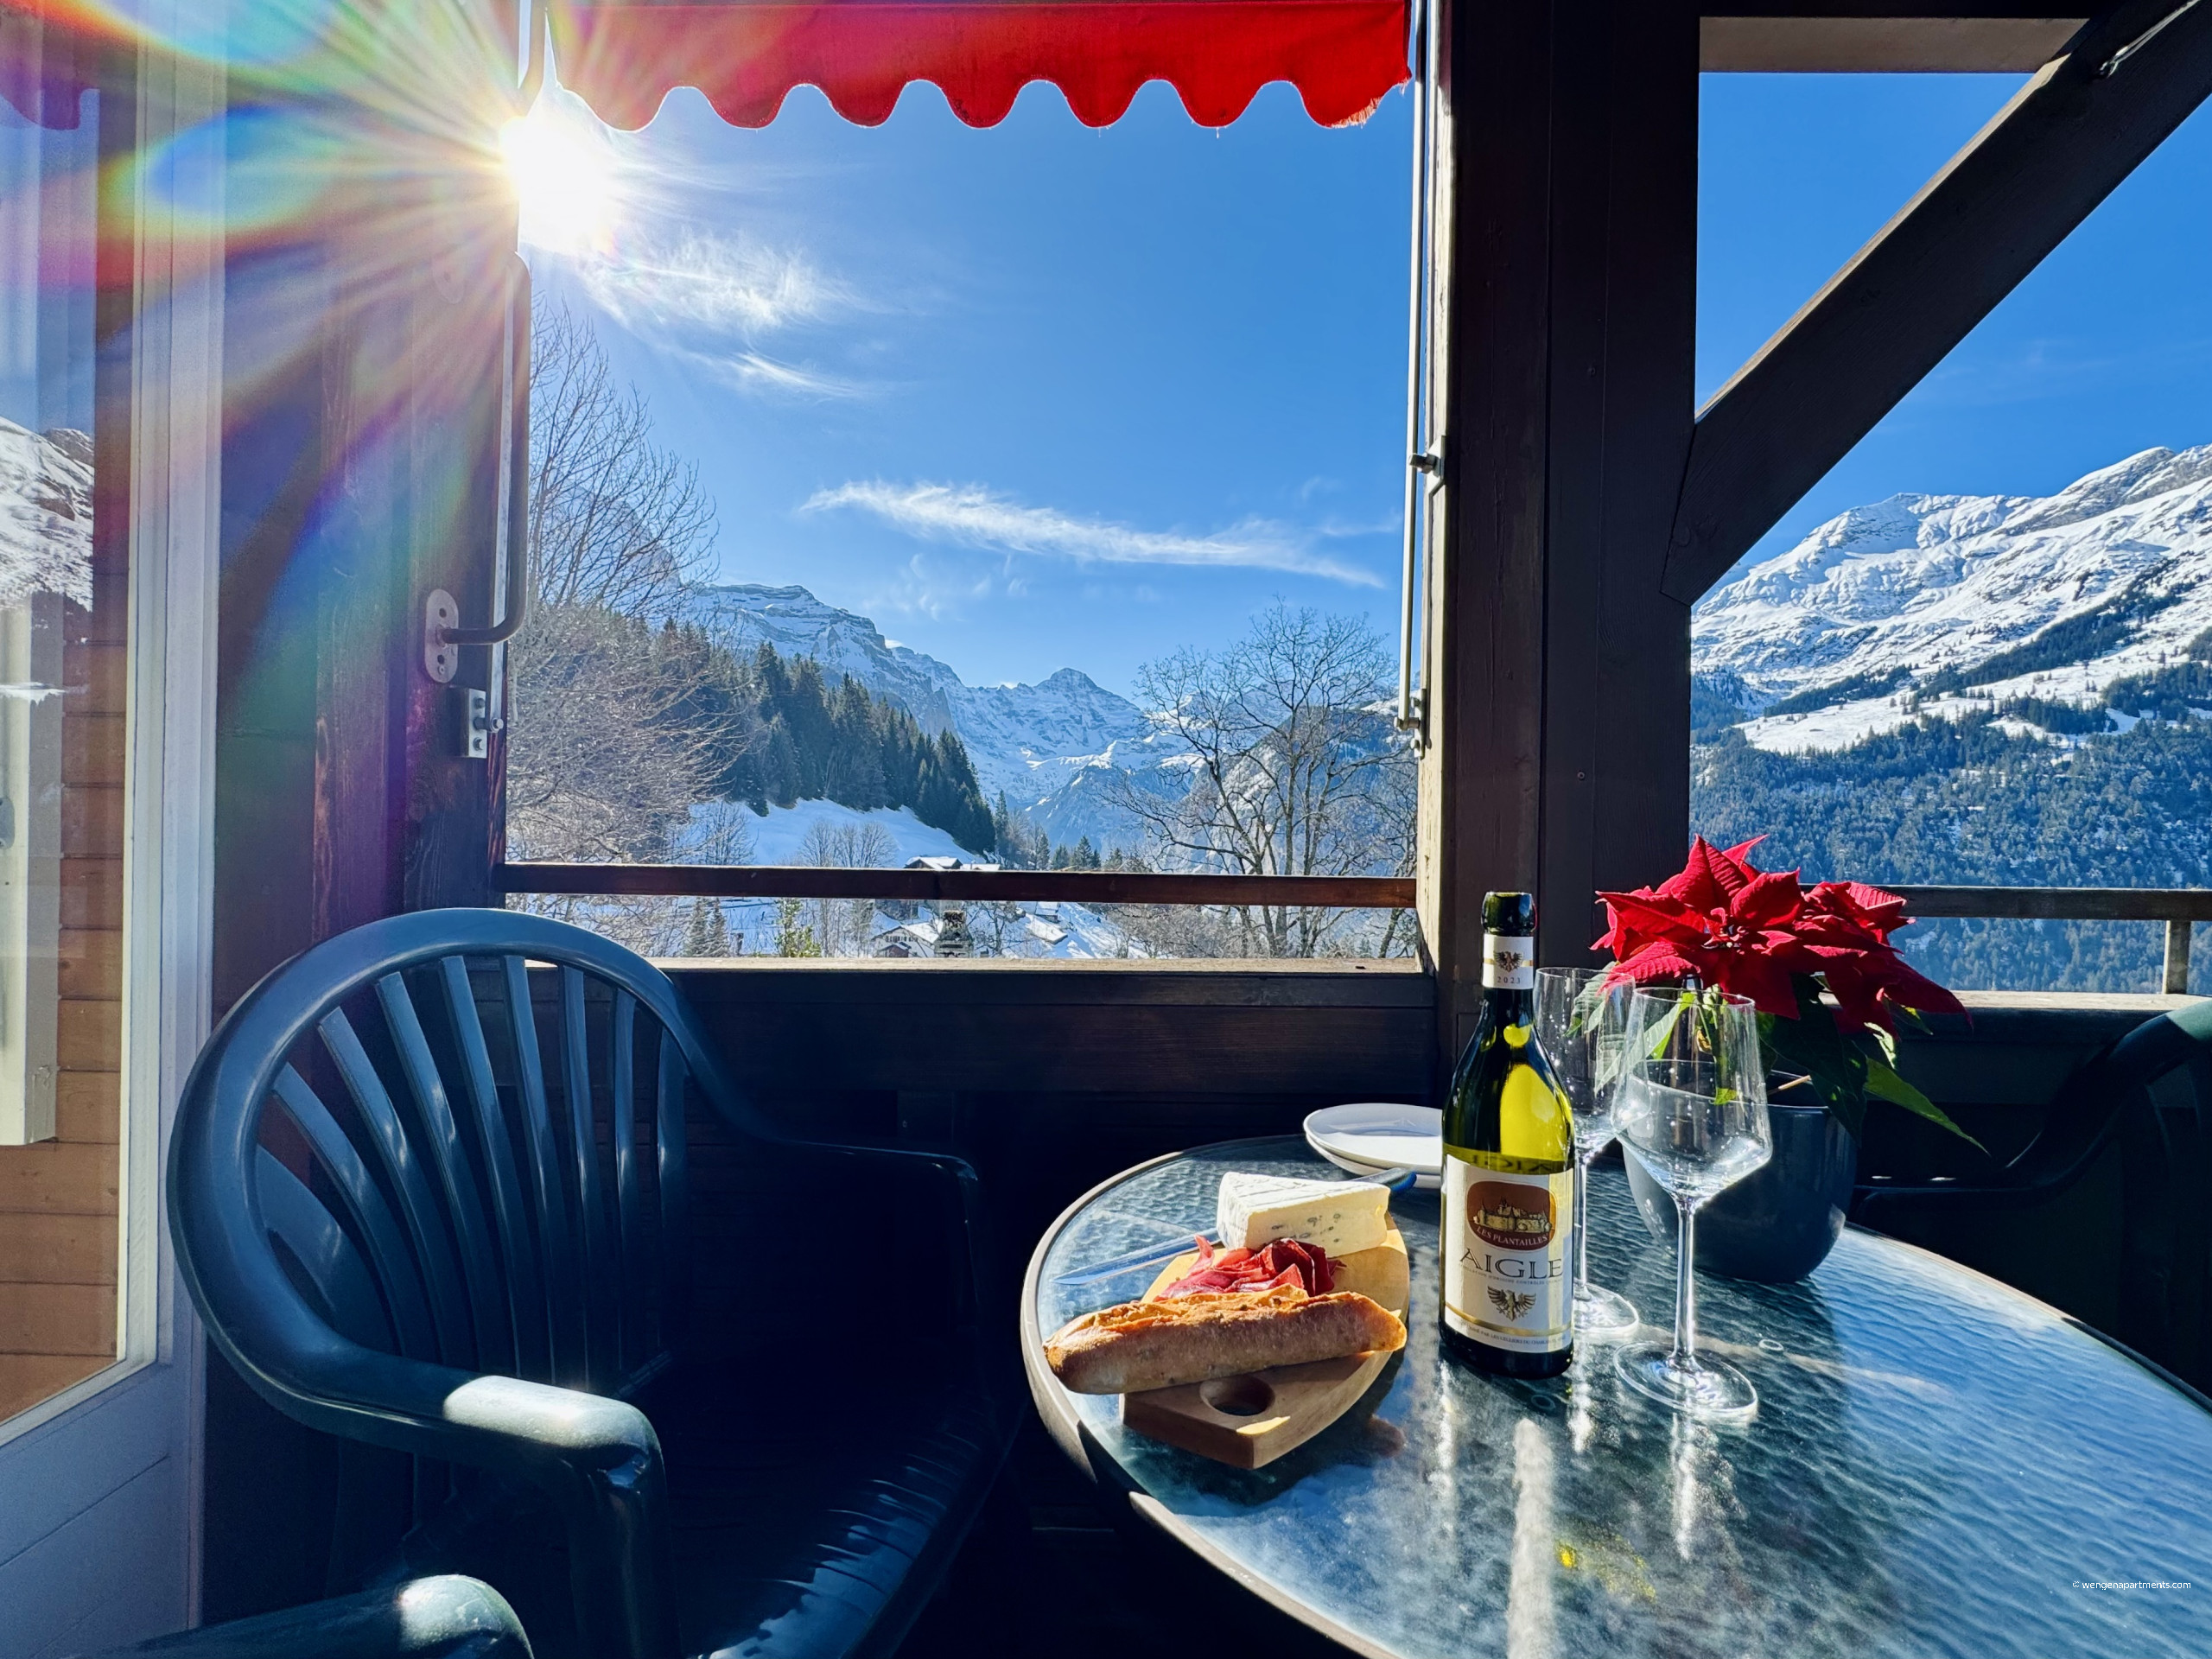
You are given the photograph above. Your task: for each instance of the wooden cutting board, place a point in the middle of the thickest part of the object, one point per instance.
(1250, 1421)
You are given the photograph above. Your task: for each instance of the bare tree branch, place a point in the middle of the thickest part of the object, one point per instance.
(1294, 769)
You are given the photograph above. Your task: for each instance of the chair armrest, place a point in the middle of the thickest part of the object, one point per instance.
(447, 1618)
(963, 1191)
(597, 1459)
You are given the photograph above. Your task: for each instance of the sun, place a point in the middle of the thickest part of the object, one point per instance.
(566, 177)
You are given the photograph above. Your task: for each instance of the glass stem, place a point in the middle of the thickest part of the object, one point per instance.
(1581, 1226)
(1684, 1354)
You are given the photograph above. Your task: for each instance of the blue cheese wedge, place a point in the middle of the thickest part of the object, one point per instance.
(1341, 1216)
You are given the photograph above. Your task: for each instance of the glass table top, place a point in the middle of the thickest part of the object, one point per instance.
(1939, 1466)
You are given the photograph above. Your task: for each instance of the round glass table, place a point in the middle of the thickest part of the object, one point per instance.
(1939, 1466)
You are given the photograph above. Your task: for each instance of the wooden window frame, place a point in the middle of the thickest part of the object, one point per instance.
(160, 408)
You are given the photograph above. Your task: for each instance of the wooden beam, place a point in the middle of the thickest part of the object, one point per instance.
(2056, 150)
(975, 886)
(1558, 671)
(1951, 45)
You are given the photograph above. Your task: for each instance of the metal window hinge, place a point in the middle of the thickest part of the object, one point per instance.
(468, 722)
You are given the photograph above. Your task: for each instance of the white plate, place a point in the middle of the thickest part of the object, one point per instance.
(1374, 1136)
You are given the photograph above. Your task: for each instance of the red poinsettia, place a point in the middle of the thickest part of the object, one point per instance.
(1732, 926)
(1728, 925)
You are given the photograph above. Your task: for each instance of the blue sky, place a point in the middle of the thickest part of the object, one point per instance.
(1039, 395)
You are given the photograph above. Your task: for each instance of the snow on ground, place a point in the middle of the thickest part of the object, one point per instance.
(1060, 932)
(1823, 731)
(779, 837)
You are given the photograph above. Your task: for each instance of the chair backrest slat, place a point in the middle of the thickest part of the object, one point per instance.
(526, 1313)
(457, 1137)
(557, 1238)
(464, 1204)
(629, 1177)
(401, 1157)
(397, 1275)
(673, 1148)
(311, 1234)
(598, 1269)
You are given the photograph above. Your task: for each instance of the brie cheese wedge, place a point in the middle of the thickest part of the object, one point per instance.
(1340, 1217)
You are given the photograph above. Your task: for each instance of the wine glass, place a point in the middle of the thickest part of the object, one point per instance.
(1692, 1110)
(1581, 1028)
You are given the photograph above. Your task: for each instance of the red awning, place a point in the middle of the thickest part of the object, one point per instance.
(624, 56)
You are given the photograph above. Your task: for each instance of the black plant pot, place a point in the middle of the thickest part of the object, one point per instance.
(1778, 1222)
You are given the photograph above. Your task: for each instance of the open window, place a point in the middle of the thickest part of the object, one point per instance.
(1058, 479)
(1975, 655)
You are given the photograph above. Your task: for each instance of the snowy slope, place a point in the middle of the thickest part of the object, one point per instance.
(1881, 600)
(1044, 930)
(778, 838)
(46, 514)
(1048, 747)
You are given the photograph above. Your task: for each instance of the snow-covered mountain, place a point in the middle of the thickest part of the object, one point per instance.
(46, 514)
(1923, 598)
(1049, 746)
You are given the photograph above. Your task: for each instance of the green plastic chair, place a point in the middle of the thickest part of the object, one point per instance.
(430, 1189)
(2150, 1094)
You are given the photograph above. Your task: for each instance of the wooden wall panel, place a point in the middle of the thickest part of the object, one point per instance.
(26, 1379)
(1047, 1078)
(59, 1248)
(1077, 1028)
(57, 1320)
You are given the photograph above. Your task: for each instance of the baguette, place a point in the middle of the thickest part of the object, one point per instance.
(1198, 1338)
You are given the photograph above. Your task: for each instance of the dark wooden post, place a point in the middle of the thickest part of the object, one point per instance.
(1559, 671)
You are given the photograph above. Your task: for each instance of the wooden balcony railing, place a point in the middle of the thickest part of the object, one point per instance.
(2178, 907)
(956, 886)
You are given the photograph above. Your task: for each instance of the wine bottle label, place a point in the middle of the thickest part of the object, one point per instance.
(1509, 964)
(1506, 1280)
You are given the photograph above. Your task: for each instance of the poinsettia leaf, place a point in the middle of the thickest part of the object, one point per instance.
(1712, 872)
(1657, 962)
(1768, 901)
(1645, 916)
(1741, 852)
(1883, 1083)
(1811, 1043)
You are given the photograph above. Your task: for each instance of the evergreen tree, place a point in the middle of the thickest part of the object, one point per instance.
(779, 766)
(709, 934)
(853, 772)
(805, 711)
(775, 735)
(793, 936)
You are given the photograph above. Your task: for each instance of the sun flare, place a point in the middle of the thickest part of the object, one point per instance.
(565, 177)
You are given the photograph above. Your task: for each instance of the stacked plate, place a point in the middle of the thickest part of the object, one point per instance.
(1371, 1137)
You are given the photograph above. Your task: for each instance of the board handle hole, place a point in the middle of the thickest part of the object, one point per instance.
(1238, 1396)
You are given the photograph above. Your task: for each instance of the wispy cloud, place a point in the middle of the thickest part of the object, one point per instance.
(972, 516)
(757, 372)
(715, 285)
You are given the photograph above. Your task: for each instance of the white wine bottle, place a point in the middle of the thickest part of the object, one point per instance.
(1508, 1171)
